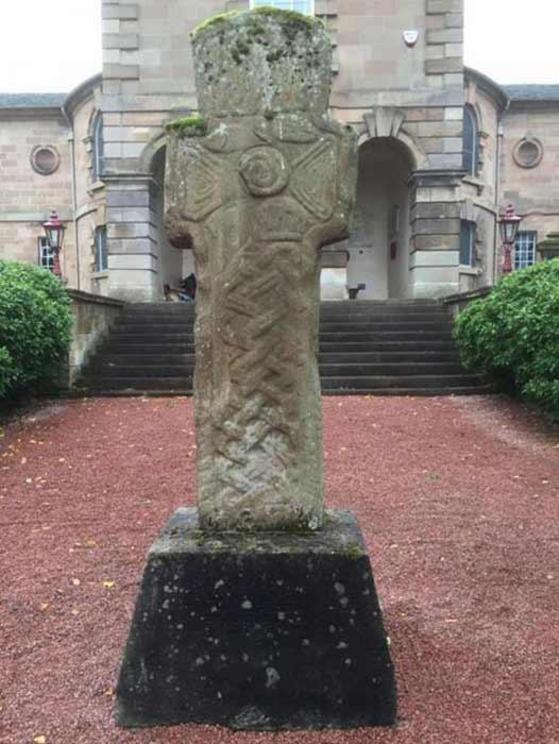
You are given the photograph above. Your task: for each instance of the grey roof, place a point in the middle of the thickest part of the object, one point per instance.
(532, 92)
(32, 100)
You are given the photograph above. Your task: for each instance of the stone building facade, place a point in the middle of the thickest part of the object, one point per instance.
(442, 148)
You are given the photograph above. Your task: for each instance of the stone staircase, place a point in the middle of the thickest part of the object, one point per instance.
(379, 348)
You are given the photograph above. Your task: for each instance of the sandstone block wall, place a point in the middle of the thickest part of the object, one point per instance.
(26, 197)
(148, 80)
(533, 190)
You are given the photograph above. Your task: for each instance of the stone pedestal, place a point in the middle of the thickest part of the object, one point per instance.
(265, 631)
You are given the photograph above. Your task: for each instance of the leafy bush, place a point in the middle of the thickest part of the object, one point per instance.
(6, 370)
(513, 334)
(35, 325)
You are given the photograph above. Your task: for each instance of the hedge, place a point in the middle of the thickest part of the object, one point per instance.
(35, 328)
(513, 335)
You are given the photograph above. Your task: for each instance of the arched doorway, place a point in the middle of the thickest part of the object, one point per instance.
(379, 246)
(173, 264)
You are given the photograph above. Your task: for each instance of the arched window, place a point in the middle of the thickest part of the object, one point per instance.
(97, 156)
(470, 142)
(301, 6)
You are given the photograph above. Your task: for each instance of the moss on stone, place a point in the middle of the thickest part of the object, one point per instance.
(292, 21)
(215, 20)
(188, 126)
(287, 15)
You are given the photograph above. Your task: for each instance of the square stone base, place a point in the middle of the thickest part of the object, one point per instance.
(257, 632)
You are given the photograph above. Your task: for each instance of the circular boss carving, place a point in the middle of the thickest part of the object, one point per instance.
(45, 160)
(264, 171)
(528, 152)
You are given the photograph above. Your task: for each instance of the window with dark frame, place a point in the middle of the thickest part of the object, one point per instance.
(470, 158)
(101, 249)
(467, 243)
(525, 249)
(98, 154)
(301, 6)
(46, 254)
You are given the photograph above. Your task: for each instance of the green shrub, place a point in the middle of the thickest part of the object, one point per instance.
(35, 326)
(6, 371)
(513, 334)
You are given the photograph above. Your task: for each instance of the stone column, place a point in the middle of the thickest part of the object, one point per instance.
(256, 185)
(133, 264)
(435, 227)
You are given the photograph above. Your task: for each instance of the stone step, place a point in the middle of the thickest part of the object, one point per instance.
(141, 384)
(145, 358)
(412, 393)
(388, 325)
(163, 317)
(152, 335)
(169, 337)
(380, 303)
(377, 392)
(141, 372)
(357, 383)
(341, 326)
(162, 371)
(123, 346)
(402, 382)
(126, 346)
(390, 357)
(399, 369)
(379, 312)
(444, 334)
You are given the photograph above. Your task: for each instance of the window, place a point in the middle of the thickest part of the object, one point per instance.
(470, 158)
(45, 160)
(101, 249)
(97, 158)
(467, 243)
(528, 152)
(301, 6)
(525, 249)
(46, 254)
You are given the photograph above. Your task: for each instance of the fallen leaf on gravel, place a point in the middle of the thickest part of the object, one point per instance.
(43, 606)
(110, 692)
(76, 582)
(109, 584)
(40, 740)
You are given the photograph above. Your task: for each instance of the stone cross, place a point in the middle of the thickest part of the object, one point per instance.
(256, 185)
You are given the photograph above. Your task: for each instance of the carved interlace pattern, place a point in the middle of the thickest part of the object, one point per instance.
(256, 432)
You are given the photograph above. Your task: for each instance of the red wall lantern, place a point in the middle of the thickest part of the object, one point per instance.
(54, 230)
(508, 227)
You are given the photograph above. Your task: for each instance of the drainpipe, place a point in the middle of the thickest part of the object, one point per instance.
(72, 141)
(498, 155)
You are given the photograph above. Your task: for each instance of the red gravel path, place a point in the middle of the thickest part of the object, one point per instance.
(458, 502)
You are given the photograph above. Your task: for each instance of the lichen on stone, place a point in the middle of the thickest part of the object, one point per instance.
(292, 21)
(214, 21)
(188, 126)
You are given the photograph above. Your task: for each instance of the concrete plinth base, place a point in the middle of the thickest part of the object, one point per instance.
(262, 631)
